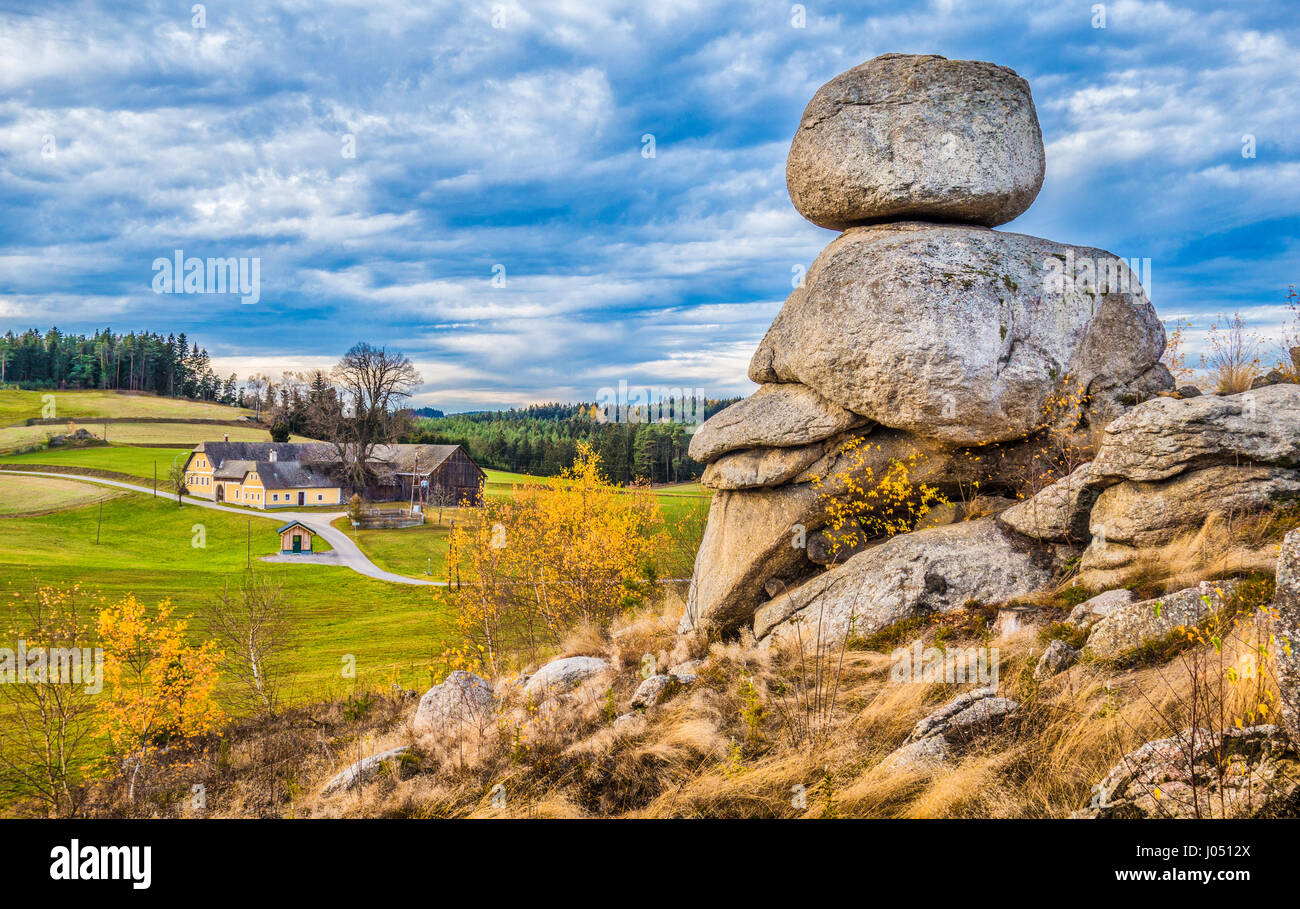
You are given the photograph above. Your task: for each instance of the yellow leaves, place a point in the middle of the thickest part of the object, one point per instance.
(158, 685)
(558, 551)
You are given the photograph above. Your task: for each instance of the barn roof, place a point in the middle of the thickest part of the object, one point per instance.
(407, 458)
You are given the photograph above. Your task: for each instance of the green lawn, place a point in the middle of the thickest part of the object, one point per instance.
(412, 551)
(20, 495)
(17, 406)
(146, 546)
(127, 459)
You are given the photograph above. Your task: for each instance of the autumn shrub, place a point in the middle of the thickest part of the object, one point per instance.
(558, 552)
(862, 503)
(158, 686)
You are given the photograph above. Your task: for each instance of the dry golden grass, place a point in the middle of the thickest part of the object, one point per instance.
(746, 741)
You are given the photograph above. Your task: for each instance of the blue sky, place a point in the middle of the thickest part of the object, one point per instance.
(522, 146)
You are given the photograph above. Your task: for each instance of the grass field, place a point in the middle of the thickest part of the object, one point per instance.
(125, 459)
(188, 435)
(412, 551)
(17, 406)
(42, 495)
(147, 546)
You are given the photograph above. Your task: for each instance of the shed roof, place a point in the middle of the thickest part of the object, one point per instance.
(296, 524)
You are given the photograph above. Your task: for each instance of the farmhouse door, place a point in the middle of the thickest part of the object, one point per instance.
(221, 493)
(297, 540)
(302, 498)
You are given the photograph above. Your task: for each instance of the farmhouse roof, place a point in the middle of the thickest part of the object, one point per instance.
(292, 475)
(218, 452)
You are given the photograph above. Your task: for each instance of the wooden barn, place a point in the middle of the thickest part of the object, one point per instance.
(427, 474)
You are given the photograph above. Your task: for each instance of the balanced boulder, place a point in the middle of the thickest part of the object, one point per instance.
(917, 136)
(956, 333)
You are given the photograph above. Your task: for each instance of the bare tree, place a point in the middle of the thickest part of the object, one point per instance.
(255, 386)
(251, 623)
(372, 383)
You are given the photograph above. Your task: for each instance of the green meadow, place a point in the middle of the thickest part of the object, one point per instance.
(124, 459)
(154, 549)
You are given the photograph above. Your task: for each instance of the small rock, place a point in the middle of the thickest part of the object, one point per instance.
(1058, 657)
(1130, 626)
(1189, 391)
(687, 672)
(920, 755)
(561, 675)
(1247, 772)
(630, 724)
(1091, 611)
(463, 699)
(973, 710)
(1012, 619)
(362, 770)
(650, 691)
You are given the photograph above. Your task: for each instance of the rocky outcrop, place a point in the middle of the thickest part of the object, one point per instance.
(1287, 652)
(1166, 436)
(1059, 512)
(1134, 624)
(1251, 772)
(463, 701)
(917, 136)
(923, 347)
(935, 570)
(954, 332)
(558, 676)
(777, 415)
(1149, 514)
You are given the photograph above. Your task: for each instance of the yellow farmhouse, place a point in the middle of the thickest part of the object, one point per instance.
(262, 474)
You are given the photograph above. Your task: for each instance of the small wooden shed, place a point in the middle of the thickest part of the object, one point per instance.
(296, 537)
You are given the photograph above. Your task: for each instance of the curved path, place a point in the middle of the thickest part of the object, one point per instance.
(350, 554)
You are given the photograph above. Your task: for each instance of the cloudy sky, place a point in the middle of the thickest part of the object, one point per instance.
(385, 159)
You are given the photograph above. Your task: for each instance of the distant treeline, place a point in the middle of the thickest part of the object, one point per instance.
(543, 439)
(138, 361)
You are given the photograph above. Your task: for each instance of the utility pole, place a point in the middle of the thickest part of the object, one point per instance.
(155, 478)
(100, 521)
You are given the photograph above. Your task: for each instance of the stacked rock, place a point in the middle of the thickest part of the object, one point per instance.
(919, 329)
